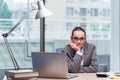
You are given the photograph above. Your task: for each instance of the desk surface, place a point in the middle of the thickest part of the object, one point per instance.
(81, 76)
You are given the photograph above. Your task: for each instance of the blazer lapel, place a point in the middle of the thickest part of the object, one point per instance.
(86, 53)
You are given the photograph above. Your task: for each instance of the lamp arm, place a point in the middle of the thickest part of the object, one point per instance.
(5, 35)
(16, 66)
(8, 33)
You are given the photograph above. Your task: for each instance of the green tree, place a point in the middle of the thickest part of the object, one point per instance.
(1, 2)
(5, 13)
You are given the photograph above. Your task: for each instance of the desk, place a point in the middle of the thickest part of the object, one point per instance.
(81, 76)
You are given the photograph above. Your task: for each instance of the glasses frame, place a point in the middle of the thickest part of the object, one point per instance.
(77, 39)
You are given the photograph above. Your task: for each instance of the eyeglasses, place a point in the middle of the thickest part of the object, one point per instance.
(76, 38)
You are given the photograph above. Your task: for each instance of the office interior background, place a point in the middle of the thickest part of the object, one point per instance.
(100, 19)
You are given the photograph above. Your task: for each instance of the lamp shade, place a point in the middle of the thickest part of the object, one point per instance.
(42, 11)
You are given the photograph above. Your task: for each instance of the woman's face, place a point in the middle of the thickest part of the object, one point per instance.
(78, 38)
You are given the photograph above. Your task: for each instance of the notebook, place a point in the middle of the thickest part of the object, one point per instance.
(51, 65)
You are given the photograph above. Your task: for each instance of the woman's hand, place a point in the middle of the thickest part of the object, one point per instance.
(72, 45)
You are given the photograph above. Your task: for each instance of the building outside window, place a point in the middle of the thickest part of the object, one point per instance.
(106, 12)
(26, 37)
(83, 12)
(70, 11)
(94, 12)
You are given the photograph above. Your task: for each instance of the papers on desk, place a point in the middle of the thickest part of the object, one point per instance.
(111, 75)
(115, 76)
(21, 73)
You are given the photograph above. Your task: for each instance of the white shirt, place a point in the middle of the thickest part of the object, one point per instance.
(80, 52)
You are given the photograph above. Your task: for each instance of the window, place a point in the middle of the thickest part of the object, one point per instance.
(94, 12)
(82, 12)
(24, 39)
(70, 11)
(94, 26)
(69, 1)
(106, 12)
(69, 26)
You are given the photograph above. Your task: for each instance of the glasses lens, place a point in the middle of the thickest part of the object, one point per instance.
(81, 38)
(76, 38)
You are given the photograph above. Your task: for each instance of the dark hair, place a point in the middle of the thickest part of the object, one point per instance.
(78, 28)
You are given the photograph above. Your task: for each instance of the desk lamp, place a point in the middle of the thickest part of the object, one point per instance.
(42, 12)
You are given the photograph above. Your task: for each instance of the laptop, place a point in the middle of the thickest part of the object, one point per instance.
(51, 65)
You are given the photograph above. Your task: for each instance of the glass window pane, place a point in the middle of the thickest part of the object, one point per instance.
(25, 38)
(84, 13)
(70, 11)
(94, 12)
(106, 12)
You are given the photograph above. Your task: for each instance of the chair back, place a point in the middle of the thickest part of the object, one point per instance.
(58, 50)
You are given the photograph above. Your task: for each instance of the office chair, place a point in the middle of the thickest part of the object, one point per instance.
(58, 50)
